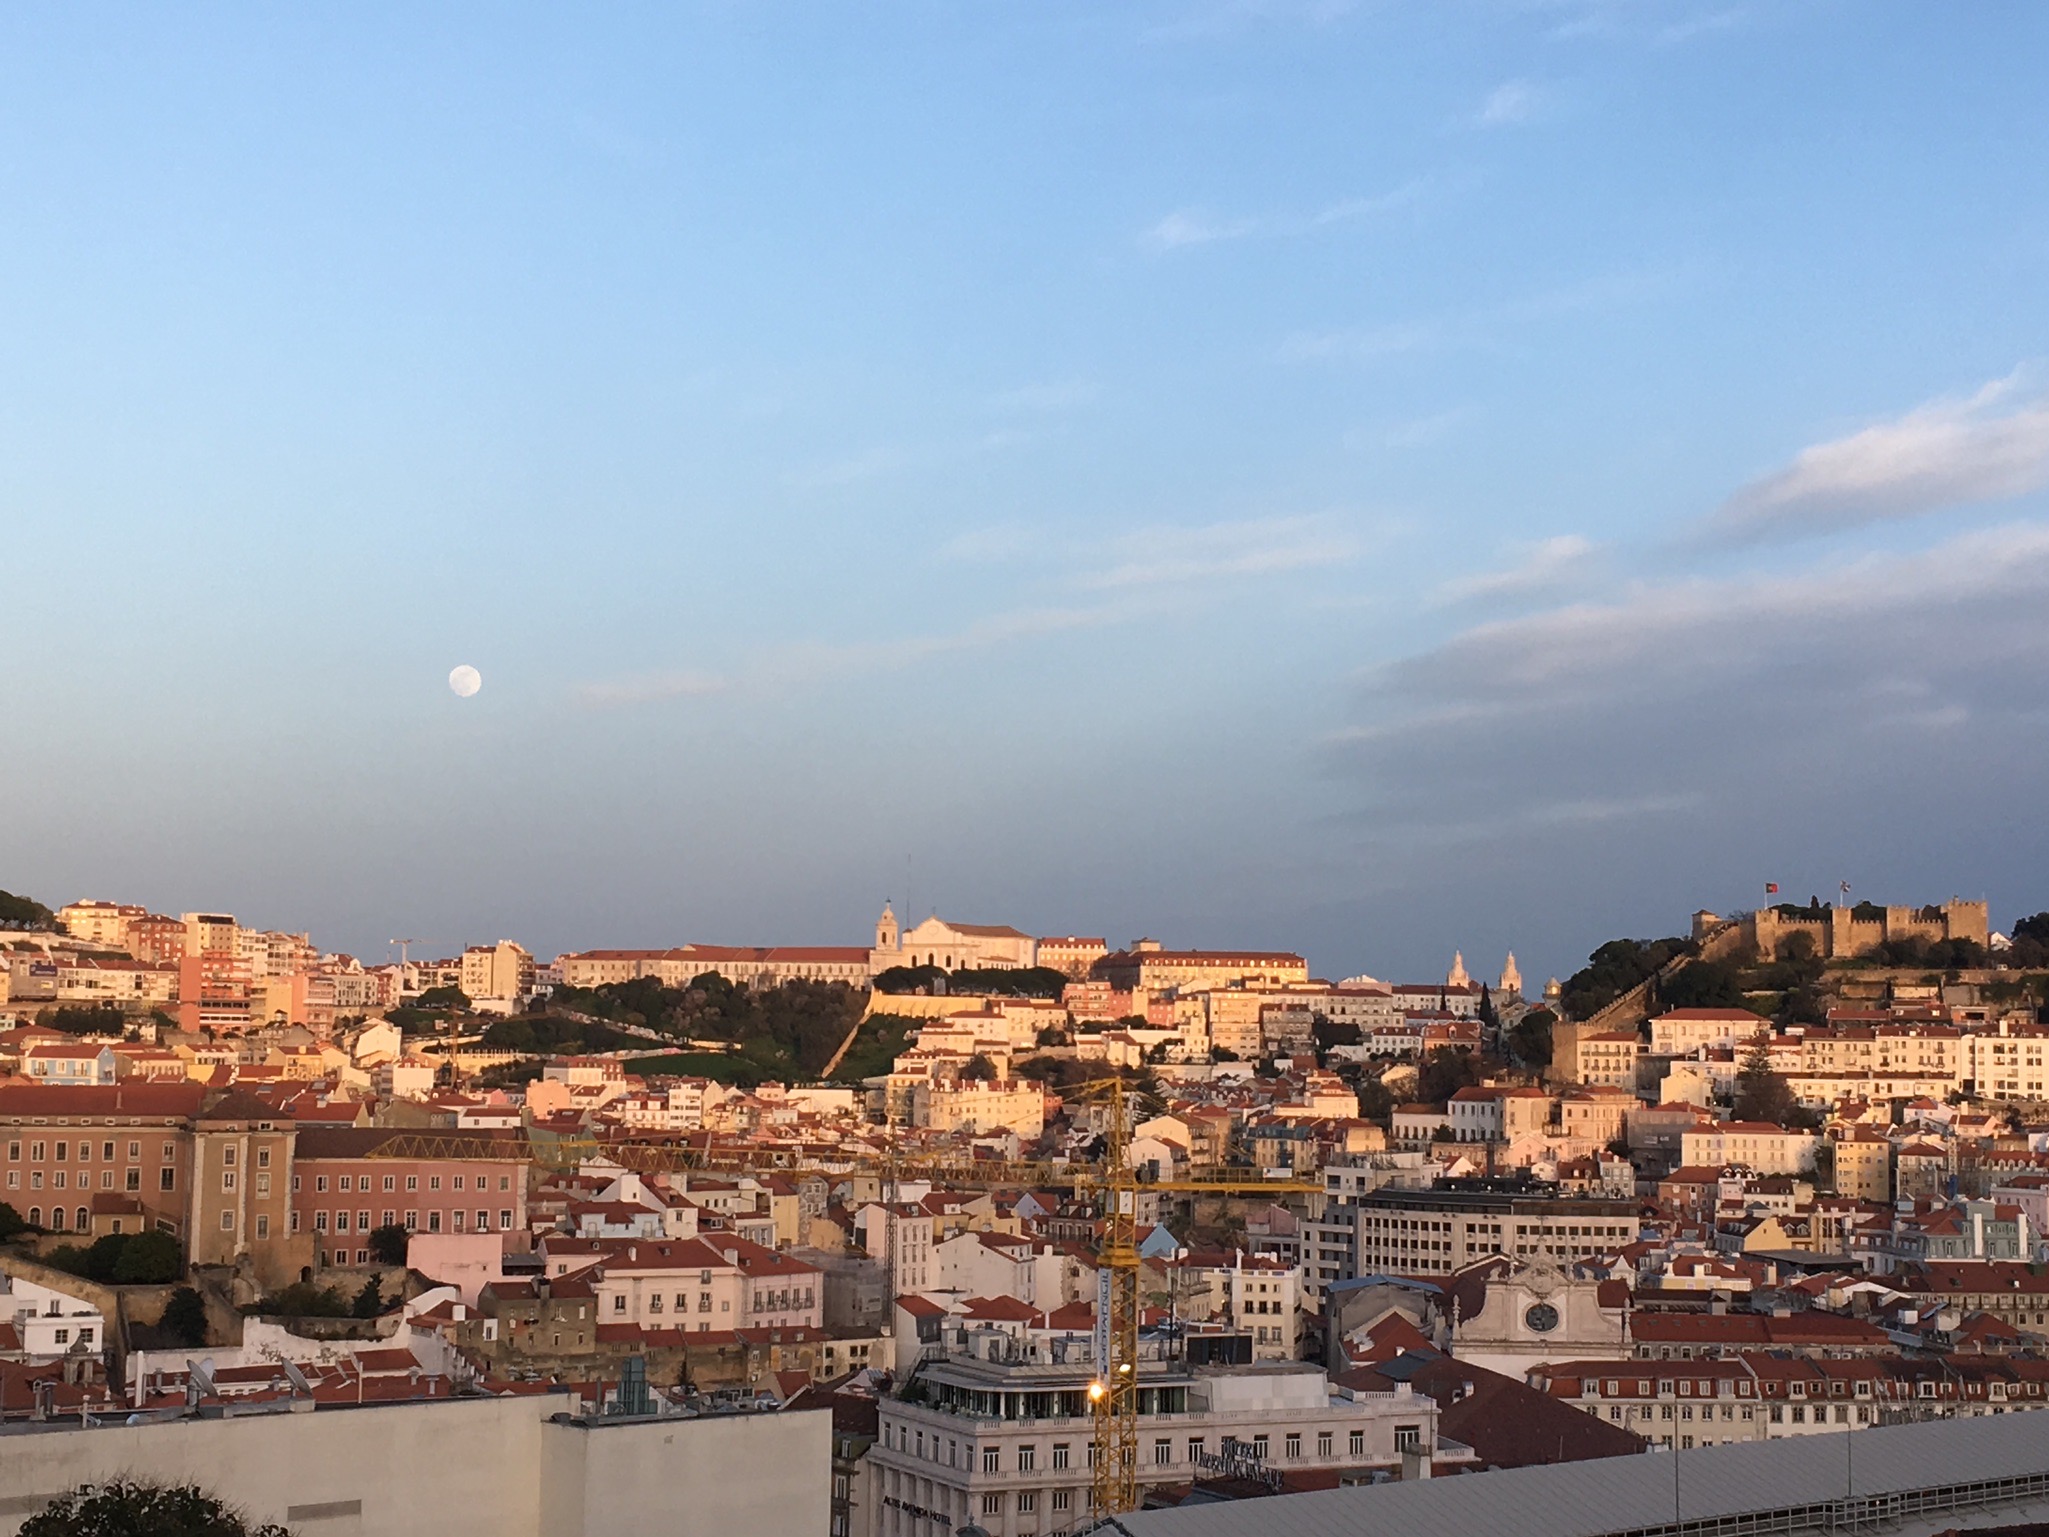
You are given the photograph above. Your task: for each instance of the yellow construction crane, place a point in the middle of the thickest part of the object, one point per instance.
(1114, 1183)
(1113, 1396)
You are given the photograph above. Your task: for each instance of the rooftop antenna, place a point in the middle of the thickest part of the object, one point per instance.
(199, 1381)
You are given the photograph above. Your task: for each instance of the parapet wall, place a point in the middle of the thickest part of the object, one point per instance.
(1838, 933)
(483, 1467)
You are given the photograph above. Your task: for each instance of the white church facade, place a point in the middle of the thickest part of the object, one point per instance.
(950, 946)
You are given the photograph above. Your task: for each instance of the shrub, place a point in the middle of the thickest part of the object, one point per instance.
(185, 1317)
(130, 1508)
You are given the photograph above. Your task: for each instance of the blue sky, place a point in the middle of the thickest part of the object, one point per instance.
(1365, 478)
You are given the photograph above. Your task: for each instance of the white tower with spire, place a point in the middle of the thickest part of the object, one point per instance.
(1458, 977)
(1511, 979)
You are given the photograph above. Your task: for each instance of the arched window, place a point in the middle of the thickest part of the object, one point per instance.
(84, 1218)
(35, 1216)
(56, 1219)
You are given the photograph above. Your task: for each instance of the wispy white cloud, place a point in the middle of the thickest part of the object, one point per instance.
(1002, 438)
(1545, 566)
(1141, 575)
(804, 664)
(873, 464)
(1190, 226)
(1491, 326)
(1409, 432)
(1227, 17)
(1513, 101)
(1660, 25)
(1257, 547)
(812, 663)
(1165, 555)
(1363, 345)
(996, 542)
(1195, 226)
(1788, 711)
(647, 688)
(1702, 24)
(1990, 446)
(1054, 395)
(1347, 208)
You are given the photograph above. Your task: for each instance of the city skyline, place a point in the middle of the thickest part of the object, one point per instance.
(1355, 480)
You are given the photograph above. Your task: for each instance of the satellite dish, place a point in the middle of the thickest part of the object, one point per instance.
(465, 681)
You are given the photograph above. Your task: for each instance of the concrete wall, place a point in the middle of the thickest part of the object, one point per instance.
(493, 1467)
(693, 1478)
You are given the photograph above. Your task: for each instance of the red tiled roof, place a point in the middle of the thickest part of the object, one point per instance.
(133, 1098)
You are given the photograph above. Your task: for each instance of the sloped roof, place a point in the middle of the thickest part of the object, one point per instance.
(1621, 1494)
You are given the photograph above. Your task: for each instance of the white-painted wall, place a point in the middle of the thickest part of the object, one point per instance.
(490, 1467)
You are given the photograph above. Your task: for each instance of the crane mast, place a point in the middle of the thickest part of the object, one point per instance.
(1113, 1396)
(1114, 1393)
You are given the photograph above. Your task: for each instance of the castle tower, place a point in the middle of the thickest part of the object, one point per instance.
(885, 929)
(1511, 985)
(1458, 977)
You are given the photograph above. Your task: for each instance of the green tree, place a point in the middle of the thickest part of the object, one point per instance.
(185, 1317)
(1445, 1071)
(1009, 981)
(1613, 970)
(1761, 1093)
(545, 1033)
(446, 996)
(24, 913)
(75, 1019)
(1326, 1035)
(369, 1301)
(1702, 985)
(1490, 1017)
(11, 1221)
(979, 1069)
(148, 1259)
(1936, 955)
(389, 1244)
(2030, 948)
(882, 1039)
(97, 1261)
(910, 979)
(1825, 1166)
(130, 1508)
(1530, 1038)
(1376, 1101)
(302, 1299)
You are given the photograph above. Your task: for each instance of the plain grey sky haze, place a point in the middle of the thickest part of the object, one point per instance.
(1368, 478)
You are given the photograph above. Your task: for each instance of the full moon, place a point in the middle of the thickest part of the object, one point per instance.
(465, 680)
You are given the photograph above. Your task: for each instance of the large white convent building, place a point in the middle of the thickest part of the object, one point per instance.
(950, 946)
